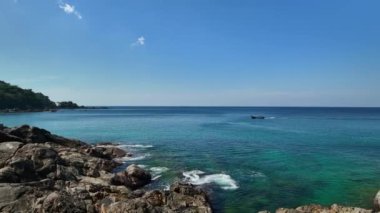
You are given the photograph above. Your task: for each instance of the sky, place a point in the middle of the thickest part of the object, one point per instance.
(194, 52)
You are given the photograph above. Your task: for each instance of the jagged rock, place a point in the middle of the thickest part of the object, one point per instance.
(87, 165)
(64, 202)
(7, 149)
(189, 197)
(181, 198)
(376, 202)
(34, 161)
(133, 177)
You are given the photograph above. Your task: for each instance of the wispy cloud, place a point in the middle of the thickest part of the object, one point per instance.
(69, 9)
(139, 42)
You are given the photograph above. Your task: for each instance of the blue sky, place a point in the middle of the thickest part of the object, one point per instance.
(194, 52)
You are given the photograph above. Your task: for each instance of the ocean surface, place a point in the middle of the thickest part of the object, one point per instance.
(296, 156)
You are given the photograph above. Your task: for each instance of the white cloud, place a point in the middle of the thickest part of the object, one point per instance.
(139, 42)
(69, 9)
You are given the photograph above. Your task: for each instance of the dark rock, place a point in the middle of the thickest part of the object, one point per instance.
(4, 137)
(133, 177)
(36, 135)
(8, 175)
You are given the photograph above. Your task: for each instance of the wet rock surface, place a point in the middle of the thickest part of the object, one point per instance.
(43, 172)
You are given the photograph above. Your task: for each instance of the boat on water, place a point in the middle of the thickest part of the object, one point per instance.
(257, 117)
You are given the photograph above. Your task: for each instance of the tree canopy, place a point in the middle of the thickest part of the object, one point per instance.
(14, 97)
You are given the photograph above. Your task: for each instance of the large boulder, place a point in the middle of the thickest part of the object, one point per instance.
(34, 161)
(7, 149)
(133, 177)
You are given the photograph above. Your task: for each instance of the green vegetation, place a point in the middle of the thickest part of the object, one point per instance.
(68, 105)
(17, 99)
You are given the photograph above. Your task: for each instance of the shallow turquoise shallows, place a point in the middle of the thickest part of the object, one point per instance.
(293, 157)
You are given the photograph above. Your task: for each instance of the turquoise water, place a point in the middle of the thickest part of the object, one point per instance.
(296, 156)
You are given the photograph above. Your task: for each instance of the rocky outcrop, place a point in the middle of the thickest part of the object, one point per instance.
(43, 172)
(182, 197)
(133, 177)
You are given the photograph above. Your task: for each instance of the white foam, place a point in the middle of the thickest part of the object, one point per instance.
(167, 187)
(156, 177)
(136, 158)
(197, 177)
(139, 146)
(158, 170)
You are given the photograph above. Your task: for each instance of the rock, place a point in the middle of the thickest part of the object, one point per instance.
(14, 198)
(7, 149)
(376, 202)
(4, 137)
(35, 161)
(29, 134)
(133, 177)
(8, 175)
(64, 202)
(42, 172)
(107, 152)
(321, 209)
(189, 197)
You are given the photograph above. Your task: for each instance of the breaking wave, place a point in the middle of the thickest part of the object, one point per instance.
(198, 177)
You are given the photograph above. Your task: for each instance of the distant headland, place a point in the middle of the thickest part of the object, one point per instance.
(16, 99)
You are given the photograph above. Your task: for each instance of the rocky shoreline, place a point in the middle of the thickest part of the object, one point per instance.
(43, 172)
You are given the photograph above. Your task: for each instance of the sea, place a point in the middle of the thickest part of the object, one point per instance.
(295, 156)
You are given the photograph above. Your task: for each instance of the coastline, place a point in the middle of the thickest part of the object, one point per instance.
(43, 172)
(64, 168)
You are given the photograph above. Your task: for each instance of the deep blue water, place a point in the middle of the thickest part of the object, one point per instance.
(296, 156)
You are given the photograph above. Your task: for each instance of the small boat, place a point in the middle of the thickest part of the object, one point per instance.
(257, 117)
